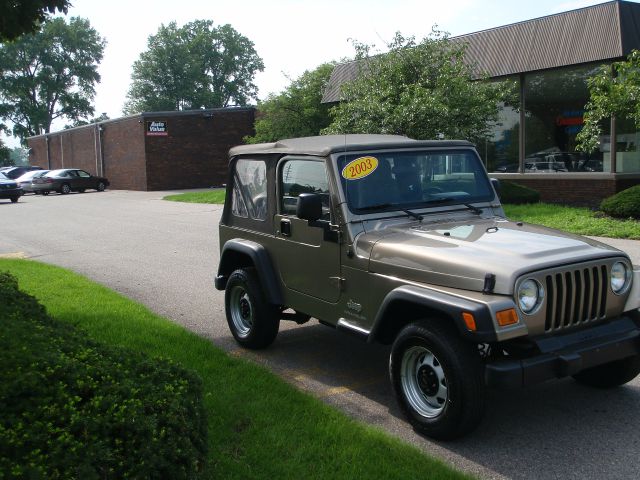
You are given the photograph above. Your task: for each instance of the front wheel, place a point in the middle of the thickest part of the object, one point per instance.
(610, 375)
(65, 189)
(253, 321)
(437, 380)
(14, 199)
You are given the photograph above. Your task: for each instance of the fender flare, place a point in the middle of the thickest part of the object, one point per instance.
(261, 261)
(450, 305)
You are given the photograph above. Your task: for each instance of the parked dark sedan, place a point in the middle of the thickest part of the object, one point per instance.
(68, 180)
(9, 189)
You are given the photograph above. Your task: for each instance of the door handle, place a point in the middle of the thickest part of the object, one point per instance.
(285, 227)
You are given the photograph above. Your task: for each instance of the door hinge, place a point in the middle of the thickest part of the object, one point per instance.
(338, 282)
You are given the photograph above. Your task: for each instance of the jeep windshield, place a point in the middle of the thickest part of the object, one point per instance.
(402, 180)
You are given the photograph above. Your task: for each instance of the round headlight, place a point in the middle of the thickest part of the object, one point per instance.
(620, 276)
(529, 296)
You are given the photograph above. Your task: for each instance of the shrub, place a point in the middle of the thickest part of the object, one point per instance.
(73, 408)
(624, 204)
(517, 194)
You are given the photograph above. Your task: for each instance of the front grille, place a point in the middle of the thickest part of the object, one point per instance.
(576, 296)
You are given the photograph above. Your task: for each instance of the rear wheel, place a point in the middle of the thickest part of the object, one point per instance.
(437, 380)
(14, 199)
(253, 321)
(612, 374)
(101, 186)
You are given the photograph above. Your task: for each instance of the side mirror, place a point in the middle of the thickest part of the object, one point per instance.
(496, 185)
(309, 207)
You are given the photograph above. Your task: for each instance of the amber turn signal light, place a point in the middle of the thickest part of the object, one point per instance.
(469, 321)
(507, 317)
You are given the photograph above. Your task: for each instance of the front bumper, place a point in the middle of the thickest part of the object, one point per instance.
(11, 192)
(43, 187)
(564, 355)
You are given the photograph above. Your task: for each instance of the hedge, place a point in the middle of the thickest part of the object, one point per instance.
(73, 408)
(624, 204)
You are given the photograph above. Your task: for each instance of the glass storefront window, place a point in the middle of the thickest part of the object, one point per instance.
(500, 152)
(554, 110)
(627, 146)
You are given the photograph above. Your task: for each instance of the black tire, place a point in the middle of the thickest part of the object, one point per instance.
(101, 186)
(253, 321)
(65, 189)
(14, 199)
(610, 375)
(437, 380)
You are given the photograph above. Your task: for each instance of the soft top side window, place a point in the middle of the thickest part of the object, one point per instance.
(249, 189)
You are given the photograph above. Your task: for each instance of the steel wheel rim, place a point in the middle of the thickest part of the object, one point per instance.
(241, 310)
(423, 382)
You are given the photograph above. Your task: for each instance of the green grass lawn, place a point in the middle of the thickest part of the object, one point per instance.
(259, 426)
(582, 221)
(210, 196)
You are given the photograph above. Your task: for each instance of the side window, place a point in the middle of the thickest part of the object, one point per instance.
(250, 190)
(303, 176)
(83, 174)
(72, 174)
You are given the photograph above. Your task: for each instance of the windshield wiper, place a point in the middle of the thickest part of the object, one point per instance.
(387, 205)
(412, 214)
(474, 209)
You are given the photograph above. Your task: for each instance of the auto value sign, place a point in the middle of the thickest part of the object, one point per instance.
(157, 128)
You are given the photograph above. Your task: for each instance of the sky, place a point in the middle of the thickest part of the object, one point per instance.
(291, 36)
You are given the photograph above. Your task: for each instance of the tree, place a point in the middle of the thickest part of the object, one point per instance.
(19, 156)
(423, 90)
(613, 91)
(20, 17)
(194, 66)
(50, 74)
(79, 123)
(5, 154)
(296, 112)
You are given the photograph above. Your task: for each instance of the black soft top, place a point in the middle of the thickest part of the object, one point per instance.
(326, 144)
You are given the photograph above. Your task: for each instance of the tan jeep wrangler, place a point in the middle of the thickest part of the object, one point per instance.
(405, 242)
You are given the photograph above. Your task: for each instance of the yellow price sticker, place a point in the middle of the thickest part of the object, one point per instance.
(359, 168)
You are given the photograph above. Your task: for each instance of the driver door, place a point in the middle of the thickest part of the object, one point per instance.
(309, 255)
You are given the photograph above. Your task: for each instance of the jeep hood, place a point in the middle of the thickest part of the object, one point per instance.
(460, 254)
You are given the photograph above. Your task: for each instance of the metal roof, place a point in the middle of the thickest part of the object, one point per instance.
(325, 144)
(607, 31)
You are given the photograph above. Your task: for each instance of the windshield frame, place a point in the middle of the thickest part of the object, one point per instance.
(441, 203)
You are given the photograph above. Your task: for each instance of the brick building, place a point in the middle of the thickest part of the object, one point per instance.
(150, 151)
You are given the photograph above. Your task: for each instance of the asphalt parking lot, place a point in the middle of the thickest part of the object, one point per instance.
(164, 255)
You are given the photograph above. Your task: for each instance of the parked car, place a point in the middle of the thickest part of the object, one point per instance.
(9, 189)
(544, 167)
(24, 181)
(14, 172)
(405, 243)
(68, 180)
